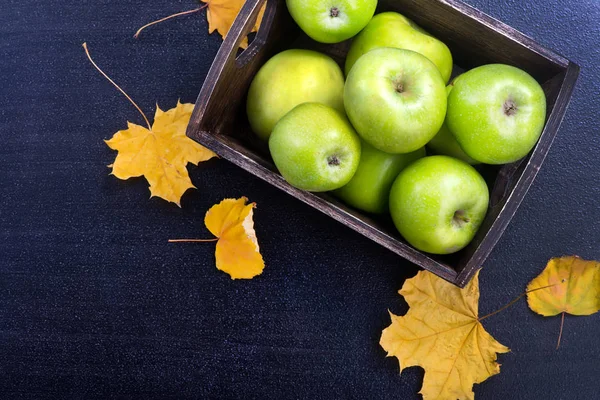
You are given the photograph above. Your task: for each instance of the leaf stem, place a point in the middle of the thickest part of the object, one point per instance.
(514, 301)
(562, 323)
(192, 240)
(137, 34)
(87, 53)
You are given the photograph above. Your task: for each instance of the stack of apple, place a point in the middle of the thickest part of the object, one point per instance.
(364, 137)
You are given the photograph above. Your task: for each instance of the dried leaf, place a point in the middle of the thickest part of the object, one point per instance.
(237, 251)
(442, 333)
(160, 154)
(222, 13)
(574, 287)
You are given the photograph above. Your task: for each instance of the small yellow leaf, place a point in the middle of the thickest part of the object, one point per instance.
(574, 287)
(160, 154)
(222, 13)
(237, 251)
(442, 334)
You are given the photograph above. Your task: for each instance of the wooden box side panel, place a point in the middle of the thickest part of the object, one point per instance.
(559, 90)
(476, 38)
(230, 74)
(231, 149)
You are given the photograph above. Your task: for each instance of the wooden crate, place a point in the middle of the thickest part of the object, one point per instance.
(219, 120)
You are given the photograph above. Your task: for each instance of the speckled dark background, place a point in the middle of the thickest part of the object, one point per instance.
(95, 304)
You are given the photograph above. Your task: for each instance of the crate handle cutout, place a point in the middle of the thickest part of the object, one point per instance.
(228, 65)
(263, 31)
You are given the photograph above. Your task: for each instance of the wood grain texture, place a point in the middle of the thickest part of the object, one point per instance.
(219, 121)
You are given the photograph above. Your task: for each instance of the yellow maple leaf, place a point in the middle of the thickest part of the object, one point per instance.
(159, 154)
(443, 334)
(237, 251)
(222, 13)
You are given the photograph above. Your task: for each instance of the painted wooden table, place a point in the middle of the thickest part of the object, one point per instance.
(95, 304)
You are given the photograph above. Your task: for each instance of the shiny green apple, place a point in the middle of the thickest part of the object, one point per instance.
(315, 148)
(331, 21)
(496, 113)
(396, 99)
(437, 204)
(290, 78)
(369, 188)
(390, 29)
(444, 142)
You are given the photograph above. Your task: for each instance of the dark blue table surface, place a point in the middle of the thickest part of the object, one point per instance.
(95, 304)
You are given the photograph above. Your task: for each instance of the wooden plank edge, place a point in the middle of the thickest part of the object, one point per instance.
(524, 183)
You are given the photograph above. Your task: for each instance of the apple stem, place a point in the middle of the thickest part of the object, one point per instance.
(399, 87)
(510, 108)
(334, 12)
(333, 160)
(460, 218)
(87, 53)
(137, 34)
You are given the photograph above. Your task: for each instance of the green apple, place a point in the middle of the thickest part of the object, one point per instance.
(396, 99)
(315, 148)
(437, 204)
(331, 21)
(369, 188)
(290, 78)
(496, 113)
(390, 29)
(445, 143)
